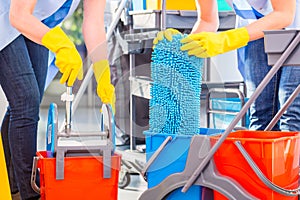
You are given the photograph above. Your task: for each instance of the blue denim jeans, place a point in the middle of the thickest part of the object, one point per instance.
(23, 70)
(274, 94)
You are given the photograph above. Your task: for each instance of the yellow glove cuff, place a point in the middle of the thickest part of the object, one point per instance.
(208, 44)
(105, 89)
(55, 39)
(236, 38)
(101, 70)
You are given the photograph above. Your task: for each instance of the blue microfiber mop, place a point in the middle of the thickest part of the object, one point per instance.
(175, 92)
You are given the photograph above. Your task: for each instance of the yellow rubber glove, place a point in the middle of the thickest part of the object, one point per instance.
(168, 34)
(105, 90)
(68, 59)
(208, 44)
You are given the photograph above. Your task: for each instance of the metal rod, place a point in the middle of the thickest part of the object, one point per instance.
(164, 14)
(131, 125)
(68, 116)
(244, 109)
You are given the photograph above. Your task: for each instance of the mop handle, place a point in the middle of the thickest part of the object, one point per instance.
(68, 98)
(284, 108)
(163, 15)
(68, 117)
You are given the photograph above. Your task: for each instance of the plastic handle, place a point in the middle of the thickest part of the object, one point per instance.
(261, 176)
(33, 175)
(111, 124)
(155, 155)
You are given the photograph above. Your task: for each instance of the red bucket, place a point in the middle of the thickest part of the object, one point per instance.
(275, 153)
(83, 178)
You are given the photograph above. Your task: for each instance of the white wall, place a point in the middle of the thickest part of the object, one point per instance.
(223, 68)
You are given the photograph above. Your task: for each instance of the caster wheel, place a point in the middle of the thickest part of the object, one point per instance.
(124, 180)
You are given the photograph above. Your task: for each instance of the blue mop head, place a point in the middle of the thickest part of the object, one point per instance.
(175, 92)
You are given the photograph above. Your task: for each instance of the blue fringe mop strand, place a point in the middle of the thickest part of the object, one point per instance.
(176, 88)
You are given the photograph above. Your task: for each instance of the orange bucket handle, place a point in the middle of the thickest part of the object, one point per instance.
(261, 176)
(33, 175)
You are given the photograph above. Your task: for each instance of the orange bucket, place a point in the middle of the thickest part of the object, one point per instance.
(275, 153)
(83, 178)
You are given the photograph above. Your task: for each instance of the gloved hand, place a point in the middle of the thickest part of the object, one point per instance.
(168, 34)
(208, 44)
(105, 90)
(68, 59)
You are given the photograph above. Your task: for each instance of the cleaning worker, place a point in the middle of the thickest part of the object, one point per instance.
(28, 30)
(253, 17)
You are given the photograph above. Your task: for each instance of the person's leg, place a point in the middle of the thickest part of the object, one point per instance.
(289, 81)
(265, 106)
(19, 83)
(39, 59)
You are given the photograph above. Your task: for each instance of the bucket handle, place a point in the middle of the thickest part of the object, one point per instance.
(111, 124)
(155, 155)
(261, 176)
(33, 175)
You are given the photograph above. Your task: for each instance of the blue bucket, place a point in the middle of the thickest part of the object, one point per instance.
(172, 159)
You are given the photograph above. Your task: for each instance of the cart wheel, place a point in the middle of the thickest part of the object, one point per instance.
(124, 179)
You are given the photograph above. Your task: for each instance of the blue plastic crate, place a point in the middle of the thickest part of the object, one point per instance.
(172, 159)
(227, 104)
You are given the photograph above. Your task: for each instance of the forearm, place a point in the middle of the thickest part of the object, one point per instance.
(22, 19)
(93, 29)
(269, 22)
(208, 19)
(283, 15)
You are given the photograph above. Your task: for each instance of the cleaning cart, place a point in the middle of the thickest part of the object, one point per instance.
(77, 165)
(265, 163)
(221, 110)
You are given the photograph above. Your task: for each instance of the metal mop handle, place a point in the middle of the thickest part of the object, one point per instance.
(68, 97)
(283, 109)
(164, 15)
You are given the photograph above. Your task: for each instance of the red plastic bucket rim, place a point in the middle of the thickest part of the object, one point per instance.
(260, 136)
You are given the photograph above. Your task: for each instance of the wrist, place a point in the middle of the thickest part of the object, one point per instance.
(100, 68)
(236, 38)
(55, 39)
